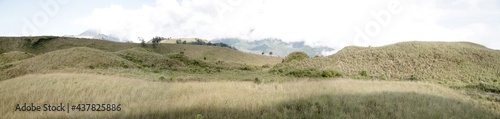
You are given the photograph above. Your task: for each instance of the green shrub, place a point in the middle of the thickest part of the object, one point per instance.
(197, 70)
(156, 71)
(248, 68)
(180, 57)
(196, 63)
(208, 70)
(130, 58)
(34, 42)
(296, 56)
(257, 80)
(297, 73)
(199, 63)
(364, 73)
(124, 65)
(301, 73)
(413, 78)
(199, 116)
(331, 73)
(488, 87)
(266, 66)
(143, 43)
(162, 78)
(219, 62)
(384, 77)
(315, 73)
(6, 66)
(280, 70)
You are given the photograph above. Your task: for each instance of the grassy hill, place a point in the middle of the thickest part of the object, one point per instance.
(190, 81)
(45, 44)
(442, 62)
(301, 99)
(459, 65)
(14, 56)
(78, 57)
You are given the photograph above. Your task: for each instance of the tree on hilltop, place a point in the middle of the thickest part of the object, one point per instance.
(156, 40)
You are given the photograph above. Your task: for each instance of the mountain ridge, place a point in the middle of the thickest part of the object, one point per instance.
(277, 46)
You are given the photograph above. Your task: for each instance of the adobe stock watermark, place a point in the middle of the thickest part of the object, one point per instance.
(224, 6)
(382, 18)
(40, 19)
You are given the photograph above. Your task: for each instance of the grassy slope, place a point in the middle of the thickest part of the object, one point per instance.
(135, 63)
(92, 72)
(441, 62)
(45, 44)
(79, 57)
(301, 99)
(64, 55)
(14, 56)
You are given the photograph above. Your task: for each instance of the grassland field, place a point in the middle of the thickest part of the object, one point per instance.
(404, 80)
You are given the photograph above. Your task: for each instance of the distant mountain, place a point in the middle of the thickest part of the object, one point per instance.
(90, 33)
(277, 46)
(94, 34)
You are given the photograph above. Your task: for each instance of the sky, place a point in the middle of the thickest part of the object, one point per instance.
(332, 23)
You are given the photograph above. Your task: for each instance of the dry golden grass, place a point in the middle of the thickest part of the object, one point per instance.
(135, 62)
(68, 70)
(56, 53)
(212, 53)
(14, 56)
(145, 58)
(79, 57)
(215, 53)
(145, 99)
(452, 63)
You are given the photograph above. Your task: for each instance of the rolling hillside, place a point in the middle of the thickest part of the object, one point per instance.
(301, 99)
(441, 62)
(45, 44)
(194, 81)
(78, 57)
(14, 56)
(47, 54)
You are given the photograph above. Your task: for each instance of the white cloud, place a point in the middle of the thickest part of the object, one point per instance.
(318, 22)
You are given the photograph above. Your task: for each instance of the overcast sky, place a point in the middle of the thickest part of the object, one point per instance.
(333, 23)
